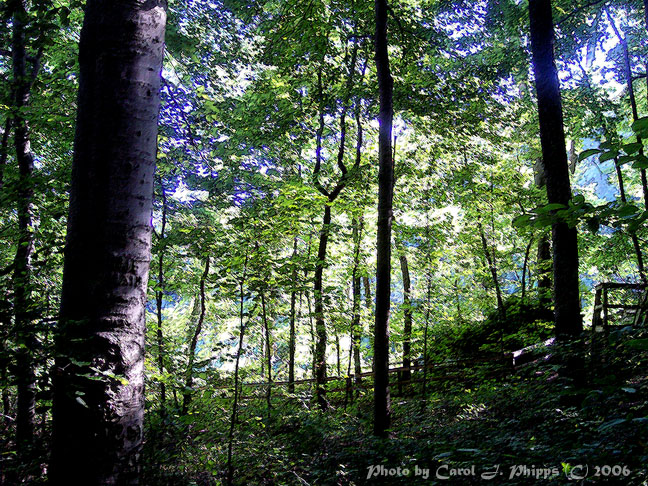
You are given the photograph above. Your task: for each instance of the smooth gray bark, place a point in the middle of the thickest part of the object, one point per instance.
(98, 423)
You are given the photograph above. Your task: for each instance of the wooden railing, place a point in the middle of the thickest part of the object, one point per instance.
(602, 304)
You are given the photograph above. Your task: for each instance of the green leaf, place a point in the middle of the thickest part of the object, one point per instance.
(588, 153)
(641, 125)
(522, 221)
(632, 148)
(608, 155)
(550, 207)
(641, 162)
(627, 210)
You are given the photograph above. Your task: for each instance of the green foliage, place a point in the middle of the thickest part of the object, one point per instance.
(522, 324)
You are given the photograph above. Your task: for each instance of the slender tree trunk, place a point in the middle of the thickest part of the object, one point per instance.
(425, 332)
(98, 424)
(492, 267)
(357, 226)
(367, 292)
(525, 266)
(24, 329)
(633, 235)
(338, 351)
(320, 326)
(293, 333)
(543, 268)
(552, 137)
(382, 406)
(239, 349)
(189, 375)
(159, 296)
(268, 351)
(407, 318)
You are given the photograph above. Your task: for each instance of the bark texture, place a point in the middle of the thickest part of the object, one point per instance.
(552, 137)
(382, 406)
(98, 422)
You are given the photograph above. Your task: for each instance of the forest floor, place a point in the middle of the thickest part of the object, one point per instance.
(531, 426)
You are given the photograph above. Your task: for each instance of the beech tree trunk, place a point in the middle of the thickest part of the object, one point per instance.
(382, 405)
(554, 154)
(407, 318)
(98, 423)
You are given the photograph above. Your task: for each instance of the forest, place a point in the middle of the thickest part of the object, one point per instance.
(323, 242)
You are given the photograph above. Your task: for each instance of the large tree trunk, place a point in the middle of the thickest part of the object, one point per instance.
(382, 406)
(189, 373)
(98, 423)
(24, 329)
(407, 318)
(554, 154)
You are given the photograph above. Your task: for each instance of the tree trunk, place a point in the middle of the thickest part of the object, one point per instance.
(239, 349)
(356, 331)
(543, 269)
(525, 266)
(24, 329)
(425, 332)
(407, 318)
(382, 406)
(268, 351)
(633, 235)
(554, 154)
(188, 392)
(293, 333)
(492, 267)
(98, 424)
(320, 326)
(159, 296)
